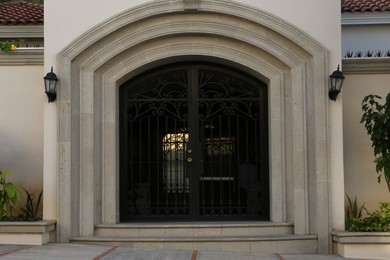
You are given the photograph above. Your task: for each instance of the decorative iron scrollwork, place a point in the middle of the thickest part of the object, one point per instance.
(170, 85)
(223, 94)
(161, 95)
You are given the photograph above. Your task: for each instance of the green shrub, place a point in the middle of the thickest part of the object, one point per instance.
(377, 221)
(352, 211)
(30, 210)
(8, 195)
(7, 46)
(376, 119)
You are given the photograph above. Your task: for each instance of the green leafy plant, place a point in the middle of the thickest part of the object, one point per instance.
(8, 195)
(30, 210)
(352, 211)
(376, 119)
(377, 221)
(7, 46)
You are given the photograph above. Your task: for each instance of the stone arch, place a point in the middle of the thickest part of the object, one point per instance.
(93, 67)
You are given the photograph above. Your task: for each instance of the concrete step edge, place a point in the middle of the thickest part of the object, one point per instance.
(194, 225)
(193, 239)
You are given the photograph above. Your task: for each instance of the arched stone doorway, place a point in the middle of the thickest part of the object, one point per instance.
(194, 145)
(291, 63)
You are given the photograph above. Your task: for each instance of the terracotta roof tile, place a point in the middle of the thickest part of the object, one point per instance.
(29, 13)
(20, 13)
(361, 6)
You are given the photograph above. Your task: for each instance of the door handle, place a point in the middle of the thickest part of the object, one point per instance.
(189, 160)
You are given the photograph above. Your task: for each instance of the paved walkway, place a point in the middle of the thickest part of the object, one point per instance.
(77, 251)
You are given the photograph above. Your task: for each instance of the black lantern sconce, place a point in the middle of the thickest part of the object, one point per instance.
(336, 81)
(51, 81)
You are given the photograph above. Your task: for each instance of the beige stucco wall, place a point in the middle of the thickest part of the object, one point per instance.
(21, 123)
(360, 175)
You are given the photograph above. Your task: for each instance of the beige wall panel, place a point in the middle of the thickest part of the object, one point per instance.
(21, 124)
(360, 175)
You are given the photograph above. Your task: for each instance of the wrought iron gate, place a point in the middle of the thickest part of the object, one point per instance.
(194, 145)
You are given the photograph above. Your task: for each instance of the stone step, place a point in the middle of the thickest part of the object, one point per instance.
(306, 244)
(193, 229)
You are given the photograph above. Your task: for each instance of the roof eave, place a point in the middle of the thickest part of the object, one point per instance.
(21, 31)
(369, 18)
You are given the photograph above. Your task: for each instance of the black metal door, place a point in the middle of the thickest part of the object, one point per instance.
(194, 145)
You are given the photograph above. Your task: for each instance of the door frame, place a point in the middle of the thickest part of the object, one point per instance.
(85, 154)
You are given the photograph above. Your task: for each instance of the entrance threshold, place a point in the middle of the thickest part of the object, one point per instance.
(195, 229)
(256, 236)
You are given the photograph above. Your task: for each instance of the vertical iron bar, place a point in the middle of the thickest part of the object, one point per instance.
(124, 186)
(212, 166)
(220, 166)
(130, 189)
(203, 157)
(231, 150)
(247, 140)
(184, 188)
(185, 174)
(247, 162)
(238, 164)
(140, 156)
(176, 184)
(168, 174)
(149, 162)
(258, 178)
(160, 149)
(193, 117)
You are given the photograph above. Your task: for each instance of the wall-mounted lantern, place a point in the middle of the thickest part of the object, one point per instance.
(336, 82)
(51, 81)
